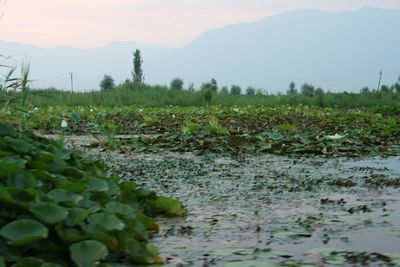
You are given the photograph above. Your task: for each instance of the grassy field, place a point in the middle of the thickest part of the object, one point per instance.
(143, 95)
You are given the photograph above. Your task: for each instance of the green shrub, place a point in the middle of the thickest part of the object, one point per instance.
(176, 84)
(59, 208)
(107, 83)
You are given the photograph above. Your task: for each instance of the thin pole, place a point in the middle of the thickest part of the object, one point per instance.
(72, 81)
(380, 78)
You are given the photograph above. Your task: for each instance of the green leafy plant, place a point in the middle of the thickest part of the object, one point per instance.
(214, 127)
(59, 208)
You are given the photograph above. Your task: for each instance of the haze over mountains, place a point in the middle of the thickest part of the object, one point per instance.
(336, 51)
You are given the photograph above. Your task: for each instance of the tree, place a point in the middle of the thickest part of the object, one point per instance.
(137, 73)
(214, 85)
(211, 85)
(236, 90)
(260, 91)
(307, 90)
(396, 87)
(224, 90)
(365, 90)
(176, 84)
(250, 90)
(292, 89)
(107, 83)
(385, 89)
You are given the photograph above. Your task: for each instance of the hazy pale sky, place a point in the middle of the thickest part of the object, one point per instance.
(91, 23)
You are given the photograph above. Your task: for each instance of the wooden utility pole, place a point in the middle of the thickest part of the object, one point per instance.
(379, 83)
(72, 81)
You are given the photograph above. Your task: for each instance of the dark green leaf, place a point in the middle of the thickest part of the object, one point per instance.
(88, 253)
(24, 231)
(106, 222)
(48, 212)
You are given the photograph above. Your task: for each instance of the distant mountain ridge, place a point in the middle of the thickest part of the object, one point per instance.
(337, 51)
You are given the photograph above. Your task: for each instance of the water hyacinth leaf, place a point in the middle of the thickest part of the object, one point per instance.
(9, 253)
(324, 251)
(75, 116)
(140, 253)
(22, 180)
(121, 209)
(5, 196)
(106, 222)
(232, 251)
(70, 235)
(51, 265)
(73, 187)
(88, 253)
(395, 233)
(76, 216)
(73, 172)
(7, 130)
(24, 231)
(23, 197)
(149, 223)
(65, 196)
(7, 168)
(96, 184)
(252, 263)
(291, 235)
(168, 206)
(286, 127)
(138, 229)
(19, 145)
(30, 262)
(275, 136)
(48, 212)
(45, 156)
(96, 233)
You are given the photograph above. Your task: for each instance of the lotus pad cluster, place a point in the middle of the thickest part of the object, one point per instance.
(59, 208)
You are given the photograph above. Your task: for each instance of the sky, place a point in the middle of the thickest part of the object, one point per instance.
(94, 23)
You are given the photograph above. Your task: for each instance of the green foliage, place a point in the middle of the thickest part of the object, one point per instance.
(210, 86)
(250, 90)
(88, 253)
(224, 90)
(143, 95)
(236, 90)
(214, 85)
(190, 127)
(176, 84)
(107, 83)
(215, 128)
(292, 89)
(307, 90)
(137, 73)
(59, 208)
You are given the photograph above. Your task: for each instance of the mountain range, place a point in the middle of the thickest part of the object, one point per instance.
(336, 51)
